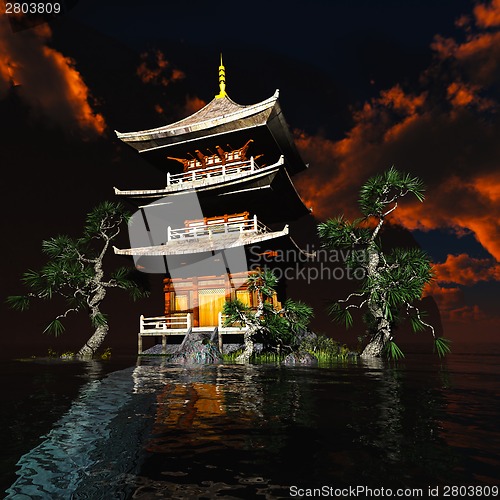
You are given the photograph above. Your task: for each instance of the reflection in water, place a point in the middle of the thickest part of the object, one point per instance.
(73, 456)
(162, 431)
(401, 428)
(93, 369)
(388, 411)
(471, 423)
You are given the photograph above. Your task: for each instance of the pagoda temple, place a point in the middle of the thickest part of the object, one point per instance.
(226, 202)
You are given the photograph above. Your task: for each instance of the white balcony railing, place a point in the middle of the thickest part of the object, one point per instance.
(215, 227)
(214, 171)
(163, 326)
(157, 325)
(232, 328)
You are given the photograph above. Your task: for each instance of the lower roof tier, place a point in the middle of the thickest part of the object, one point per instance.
(210, 246)
(205, 243)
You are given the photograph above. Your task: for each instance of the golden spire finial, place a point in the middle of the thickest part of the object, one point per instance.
(222, 80)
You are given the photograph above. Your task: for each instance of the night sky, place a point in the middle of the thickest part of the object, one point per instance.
(364, 85)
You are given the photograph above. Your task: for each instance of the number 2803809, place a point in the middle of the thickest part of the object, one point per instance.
(32, 8)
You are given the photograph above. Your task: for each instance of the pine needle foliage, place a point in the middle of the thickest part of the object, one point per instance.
(392, 351)
(75, 272)
(393, 281)
(277, 329)
(442, 346)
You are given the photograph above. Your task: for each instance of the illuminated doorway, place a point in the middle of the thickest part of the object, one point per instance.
(210, 303)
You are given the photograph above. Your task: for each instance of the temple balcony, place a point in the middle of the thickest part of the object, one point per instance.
(216, 170)
(182, 324)
(218, 226)
(244, 174)
(208, 235)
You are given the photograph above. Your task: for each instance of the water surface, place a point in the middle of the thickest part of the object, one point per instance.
(156, 430)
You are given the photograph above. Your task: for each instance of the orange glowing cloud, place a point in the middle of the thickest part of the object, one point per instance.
(193, 104)
(458, 203)
(48, 81)
(339, 167)
(155, 69)
(75, 91)
(452, 144)
(462, 95)
(488, 16)
(397, 99)
(465, 270)
(478, 56)
(454, 311)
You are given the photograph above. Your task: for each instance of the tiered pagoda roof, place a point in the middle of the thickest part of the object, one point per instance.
(227, 178)
(222, 116)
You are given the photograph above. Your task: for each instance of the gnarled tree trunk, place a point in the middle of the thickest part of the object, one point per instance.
(379, 339)
(382, 333)
(94, 342)
(247, 353)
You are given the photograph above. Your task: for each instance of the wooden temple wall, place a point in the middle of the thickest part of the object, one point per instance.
(205, 296)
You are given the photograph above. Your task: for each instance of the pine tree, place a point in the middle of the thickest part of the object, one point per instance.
(394, 281)
(279, 329)
(75, 272)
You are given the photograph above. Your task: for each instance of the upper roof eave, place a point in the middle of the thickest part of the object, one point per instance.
(199, 121)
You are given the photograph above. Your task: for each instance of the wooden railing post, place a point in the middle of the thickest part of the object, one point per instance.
(219, 332)
(168, 178)
(139, 337)
(255, 222)
(252, 164)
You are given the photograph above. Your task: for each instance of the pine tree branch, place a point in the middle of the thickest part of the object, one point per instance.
(65, 314)
(354, 294)
(82, 259)
(391, 210)
(408, 306)
(357, 306)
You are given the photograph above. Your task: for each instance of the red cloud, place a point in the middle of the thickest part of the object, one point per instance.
(464, 270)
(454, 312)
(462, 95)
(460, 204)
(339, 167)
(193, 104)
(155, 69)
(159, 109)
(451, 143)
(488, 16)
(395, 98)
(49, 81)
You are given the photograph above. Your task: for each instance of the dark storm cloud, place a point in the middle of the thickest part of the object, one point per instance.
(446, 132)
(444, 129)
(47, 80)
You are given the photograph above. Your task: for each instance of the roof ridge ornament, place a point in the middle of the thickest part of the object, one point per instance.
(222, 80)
